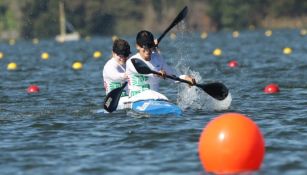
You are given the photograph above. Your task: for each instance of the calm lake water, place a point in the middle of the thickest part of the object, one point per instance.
(58, 130)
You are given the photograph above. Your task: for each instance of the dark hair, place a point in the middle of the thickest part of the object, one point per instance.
(145, 39)
(121, 47)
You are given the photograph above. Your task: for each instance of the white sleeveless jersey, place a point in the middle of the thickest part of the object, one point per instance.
(140, 82)
(113, 76)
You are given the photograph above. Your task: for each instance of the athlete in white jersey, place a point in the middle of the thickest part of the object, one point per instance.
(147, 52)
(114, 70)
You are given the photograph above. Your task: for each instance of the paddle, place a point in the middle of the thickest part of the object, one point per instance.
(216, 90)
(111, 100)
(179, 18)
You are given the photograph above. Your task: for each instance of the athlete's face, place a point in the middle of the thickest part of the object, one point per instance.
(145, 52)
(121, 59)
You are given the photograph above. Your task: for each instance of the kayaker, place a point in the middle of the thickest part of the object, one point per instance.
(147, 51)
(114, 70)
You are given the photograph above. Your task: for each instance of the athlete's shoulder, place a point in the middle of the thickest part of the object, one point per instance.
(137, 55)
(110, 63)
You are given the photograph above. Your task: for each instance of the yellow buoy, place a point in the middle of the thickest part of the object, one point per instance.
(303, 32)
(235, 34)
(217, 52)
(12, 42)
(251, 27)
(1, 55)
(45, 56)
(35, 40)
(87, 38)
(173, 36)
(268, 33)
(287, 50)
(12, 66)
(204, 35)
(114, 37)
(77, 65)
(97, 54)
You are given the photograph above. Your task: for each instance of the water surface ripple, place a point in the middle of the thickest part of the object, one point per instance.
(58, 131)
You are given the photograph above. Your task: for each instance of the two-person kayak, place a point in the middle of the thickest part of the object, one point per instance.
(154, 103)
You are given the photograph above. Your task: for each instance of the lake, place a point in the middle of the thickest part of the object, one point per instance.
(59, 131)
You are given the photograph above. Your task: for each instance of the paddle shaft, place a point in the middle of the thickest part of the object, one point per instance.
(179, 18)
(173, 77)
(216, 90)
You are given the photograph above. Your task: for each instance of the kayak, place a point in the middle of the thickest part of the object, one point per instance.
(154, 103)
(149, 102)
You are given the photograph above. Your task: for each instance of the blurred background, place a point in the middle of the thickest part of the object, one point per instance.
(40, 18)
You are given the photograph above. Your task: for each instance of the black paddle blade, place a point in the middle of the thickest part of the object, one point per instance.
(111, 101)
(216, 90)
(183, 13)
(140, 66)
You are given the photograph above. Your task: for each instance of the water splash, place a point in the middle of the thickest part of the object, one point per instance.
(193, 97)
(196, 98)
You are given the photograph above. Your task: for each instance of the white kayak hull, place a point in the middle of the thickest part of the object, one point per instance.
(153, 103)
(149, 102)
(156, 107)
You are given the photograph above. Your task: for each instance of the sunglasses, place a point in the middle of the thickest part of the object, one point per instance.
(148, 48)
(123, 56)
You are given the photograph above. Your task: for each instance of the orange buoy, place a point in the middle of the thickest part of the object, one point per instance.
(33, 89)
(233, 64)
(271, 88)
(231, 143)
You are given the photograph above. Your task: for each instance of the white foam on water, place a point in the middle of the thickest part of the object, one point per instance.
(99, 111)
(195, 98)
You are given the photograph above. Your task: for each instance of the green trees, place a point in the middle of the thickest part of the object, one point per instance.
(8, 19)
(237, 14)
(40, 18)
